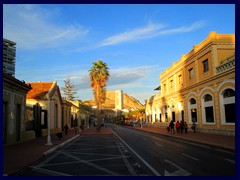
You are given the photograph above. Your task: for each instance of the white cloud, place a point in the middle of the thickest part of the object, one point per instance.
(150, 31)
(32, 27)
(134, 34)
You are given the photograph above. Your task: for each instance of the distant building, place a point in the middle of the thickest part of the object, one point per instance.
(119, 100)
(199, 87)
(9, 56)
(116, 103)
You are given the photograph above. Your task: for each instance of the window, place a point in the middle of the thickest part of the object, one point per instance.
(230, 113)
(192, 101)
(194, 115)
(207, 98)
(56, 116)
(208, 109)
(192, 110)
(166, 117)
(191, 73)
(171, 83)
(229, 93)
(205, 65)
(228, 106)
(164, 87)
(180, 79)
(209, 114)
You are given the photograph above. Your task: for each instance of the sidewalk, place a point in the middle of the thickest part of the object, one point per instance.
(18, 156)
(227, 142)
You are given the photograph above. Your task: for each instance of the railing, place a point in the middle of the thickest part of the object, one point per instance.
(226, 65)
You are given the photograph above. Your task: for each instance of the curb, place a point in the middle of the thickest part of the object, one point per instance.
(59, 146)
(193, 141)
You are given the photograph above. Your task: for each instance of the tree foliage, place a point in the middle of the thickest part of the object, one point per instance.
(69, 90)
(99, 75)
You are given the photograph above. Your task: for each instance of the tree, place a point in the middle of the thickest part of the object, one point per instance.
(69, 90)
(99, 75)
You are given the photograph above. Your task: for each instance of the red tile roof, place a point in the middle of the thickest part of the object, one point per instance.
(39, 90)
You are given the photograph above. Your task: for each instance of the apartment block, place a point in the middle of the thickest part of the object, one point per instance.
(9, 56)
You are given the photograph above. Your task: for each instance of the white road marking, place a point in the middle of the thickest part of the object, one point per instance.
(230, 160)
(221, 150)
(91, 164)
(129, 167)
(148, 165)
(50, 172)
(190, 157)
(180, 172)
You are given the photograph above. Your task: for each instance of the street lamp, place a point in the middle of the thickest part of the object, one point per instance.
(49, 142)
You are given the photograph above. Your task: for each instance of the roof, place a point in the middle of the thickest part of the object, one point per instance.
(15, 82)
(39, 90)
(158, 88)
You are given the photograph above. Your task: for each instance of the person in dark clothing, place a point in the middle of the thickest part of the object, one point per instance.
(185, 127)
(66, 129)
(171, 125)
(193, 126)
(182, 126)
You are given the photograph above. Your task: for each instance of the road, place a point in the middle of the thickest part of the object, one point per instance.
(167, 156)
(130, 152)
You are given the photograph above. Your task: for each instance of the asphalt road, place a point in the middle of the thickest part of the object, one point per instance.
(174, 157)
(130, 152)
(88, 155)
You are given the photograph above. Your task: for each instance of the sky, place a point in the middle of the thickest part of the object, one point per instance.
(136, 41)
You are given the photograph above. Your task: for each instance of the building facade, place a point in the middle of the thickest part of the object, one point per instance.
(44, 103)
(14, 110)
(199, 87)
(9, 56)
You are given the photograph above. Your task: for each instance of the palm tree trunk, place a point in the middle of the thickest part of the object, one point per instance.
(98, 106)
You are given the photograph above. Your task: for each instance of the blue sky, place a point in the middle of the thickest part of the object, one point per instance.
(137, 42)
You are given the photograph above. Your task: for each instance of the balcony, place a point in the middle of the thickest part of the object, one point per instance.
(226, 65)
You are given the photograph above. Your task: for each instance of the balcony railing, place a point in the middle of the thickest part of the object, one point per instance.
(226, 65)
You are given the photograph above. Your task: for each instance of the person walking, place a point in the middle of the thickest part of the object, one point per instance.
(178, 125)
(66, 129)
(182, 126)
(185, 127)
(194, 127)
(171, 125)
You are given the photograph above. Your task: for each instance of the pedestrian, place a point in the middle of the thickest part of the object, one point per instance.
(185, 127)
(171, 125)
(66, 129)
(194, 126)
(182, 126)
(178, 126)
(80, 128)
(168, 129)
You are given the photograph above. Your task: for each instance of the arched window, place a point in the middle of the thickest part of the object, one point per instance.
(228, 93)
(207, 98)
(192, 101)
(192, 110)
(207, 109)
(228, 106)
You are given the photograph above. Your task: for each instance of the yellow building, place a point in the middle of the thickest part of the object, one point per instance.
(199, 87)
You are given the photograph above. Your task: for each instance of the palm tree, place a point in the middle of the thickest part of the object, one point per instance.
(99, 74)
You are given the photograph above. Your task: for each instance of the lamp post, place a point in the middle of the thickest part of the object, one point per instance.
(49, 142)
